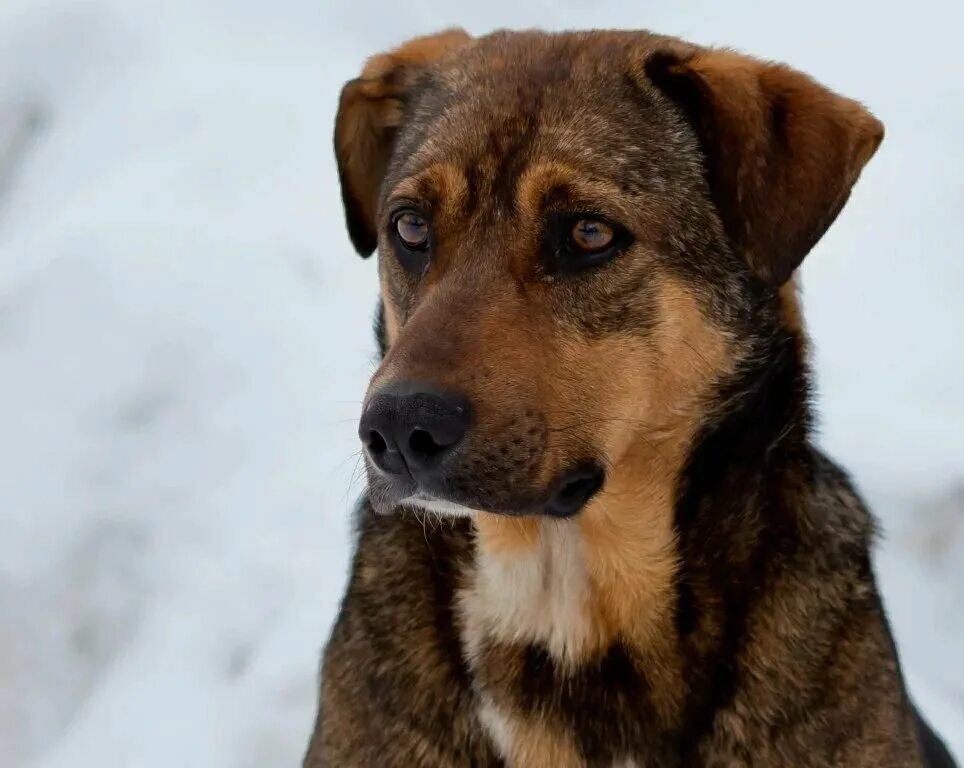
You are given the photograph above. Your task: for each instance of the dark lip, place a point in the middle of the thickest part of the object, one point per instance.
(544, 504)
(572, 490)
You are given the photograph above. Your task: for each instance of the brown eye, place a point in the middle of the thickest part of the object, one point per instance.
(412, 230)
(592, 235)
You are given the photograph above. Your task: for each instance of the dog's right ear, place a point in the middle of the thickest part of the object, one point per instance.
(369, 113)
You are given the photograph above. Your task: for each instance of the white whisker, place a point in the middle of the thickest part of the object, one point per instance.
(439, 507)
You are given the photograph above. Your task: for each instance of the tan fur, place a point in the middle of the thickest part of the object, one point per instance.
(535, 745)
(502, 536)
(392, 320)
(443, 183)
(790, 307)
(417, 52)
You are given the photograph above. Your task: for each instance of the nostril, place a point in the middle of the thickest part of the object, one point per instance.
(375, 443)
(423, 444)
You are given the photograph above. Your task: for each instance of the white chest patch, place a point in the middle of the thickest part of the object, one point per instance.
(540, 595)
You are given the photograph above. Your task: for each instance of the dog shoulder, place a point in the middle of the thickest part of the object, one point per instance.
(837, 518)
(394, 689)
(858, 712)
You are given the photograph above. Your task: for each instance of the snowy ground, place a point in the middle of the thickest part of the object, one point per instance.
(184, 339)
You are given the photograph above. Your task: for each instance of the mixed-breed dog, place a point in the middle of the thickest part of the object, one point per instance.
(596, 531)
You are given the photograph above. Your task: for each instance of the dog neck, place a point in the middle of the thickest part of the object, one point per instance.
(574, 585)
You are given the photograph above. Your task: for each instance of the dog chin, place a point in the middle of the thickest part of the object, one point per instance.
(438, 506)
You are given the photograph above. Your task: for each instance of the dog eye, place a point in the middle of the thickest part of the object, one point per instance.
(583, 241)
(412, 230)
(591, 235)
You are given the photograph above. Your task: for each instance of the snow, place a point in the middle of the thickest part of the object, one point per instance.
(185, 338)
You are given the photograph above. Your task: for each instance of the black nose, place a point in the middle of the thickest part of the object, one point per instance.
(411, 427)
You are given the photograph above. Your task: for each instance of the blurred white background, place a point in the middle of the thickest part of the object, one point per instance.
(185, 339)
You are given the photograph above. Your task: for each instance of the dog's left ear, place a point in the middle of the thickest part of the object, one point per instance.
(782, 152)
(369, 113)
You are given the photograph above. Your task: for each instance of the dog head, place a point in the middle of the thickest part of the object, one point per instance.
(580, 237)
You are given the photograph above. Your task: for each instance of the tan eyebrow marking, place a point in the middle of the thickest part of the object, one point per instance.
(442, 184)
(538, 180)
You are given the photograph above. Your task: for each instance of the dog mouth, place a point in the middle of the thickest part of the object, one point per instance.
(566, 496)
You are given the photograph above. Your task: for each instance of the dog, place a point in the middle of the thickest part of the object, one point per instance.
(596, 531)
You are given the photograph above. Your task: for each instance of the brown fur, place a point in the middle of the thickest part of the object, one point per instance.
(713, 604)
(784, 151)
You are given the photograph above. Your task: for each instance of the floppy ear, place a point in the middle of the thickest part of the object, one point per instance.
(782, 151)
(369, 112)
